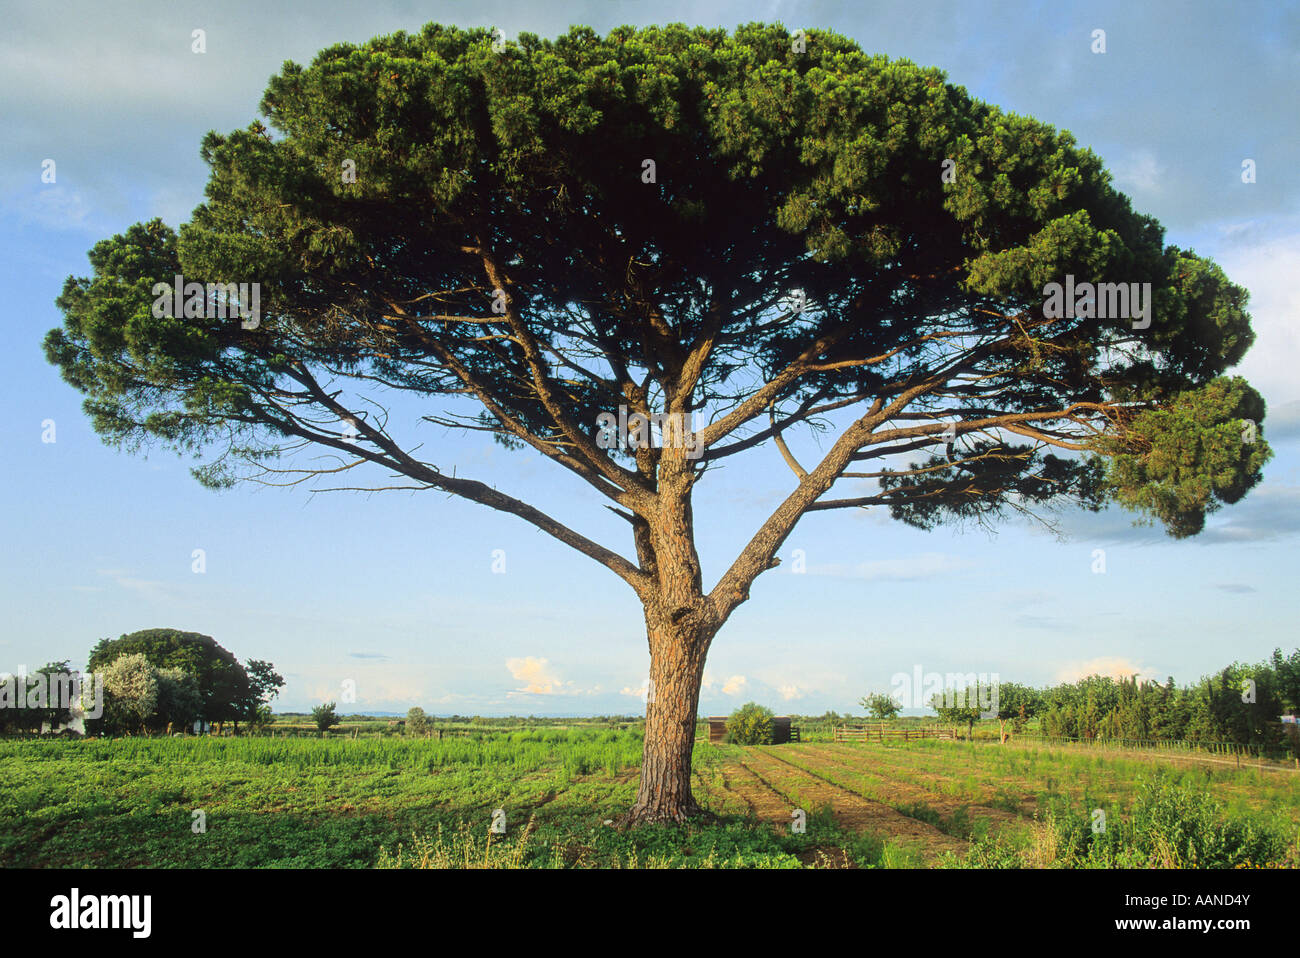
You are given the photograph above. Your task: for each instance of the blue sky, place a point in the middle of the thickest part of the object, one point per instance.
(396, 592)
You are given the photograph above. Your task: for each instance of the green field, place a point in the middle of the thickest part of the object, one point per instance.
(386, 800)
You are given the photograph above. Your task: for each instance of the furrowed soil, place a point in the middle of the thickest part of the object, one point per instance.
(859, 778)
(772, 788)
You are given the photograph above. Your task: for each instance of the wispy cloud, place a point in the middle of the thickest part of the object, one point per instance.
(1138, 171)
(733, 685)
(1269, 512)
(923, 566)
(152, 589)
(1045, 622)
(1282, 422)
(53, 207)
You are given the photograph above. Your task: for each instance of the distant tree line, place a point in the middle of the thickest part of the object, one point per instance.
(153, 680)
(1240, 704)
(29, 702)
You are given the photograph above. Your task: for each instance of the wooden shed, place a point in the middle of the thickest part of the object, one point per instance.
(717, 728)
(780, 729)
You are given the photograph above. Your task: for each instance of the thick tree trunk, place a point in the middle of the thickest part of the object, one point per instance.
(680, 625)
(672, 700)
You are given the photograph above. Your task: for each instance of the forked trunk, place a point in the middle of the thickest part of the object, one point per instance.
(680, 625)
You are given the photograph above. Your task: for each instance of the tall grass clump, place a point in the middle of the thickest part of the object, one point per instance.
(467, 848)
(1171, 824)
(1174, 825)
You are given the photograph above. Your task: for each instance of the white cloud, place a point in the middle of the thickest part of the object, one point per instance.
(538, 677)
(639, 691)
(1113, 666)
(1268, 269)
(734, 685)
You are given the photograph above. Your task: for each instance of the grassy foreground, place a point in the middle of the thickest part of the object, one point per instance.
(391, 802)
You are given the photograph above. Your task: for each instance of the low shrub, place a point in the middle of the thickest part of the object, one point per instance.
(751, 724)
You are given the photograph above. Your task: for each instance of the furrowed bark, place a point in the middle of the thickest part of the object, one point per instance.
(679, 630)
(677, 654)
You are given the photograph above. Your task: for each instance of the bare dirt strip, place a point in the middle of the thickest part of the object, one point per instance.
(896, 793)
(764, 802)
(720, 797)
(778, 787)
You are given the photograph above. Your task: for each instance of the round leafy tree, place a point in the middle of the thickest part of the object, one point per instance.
(880, 706)
(223, 685)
